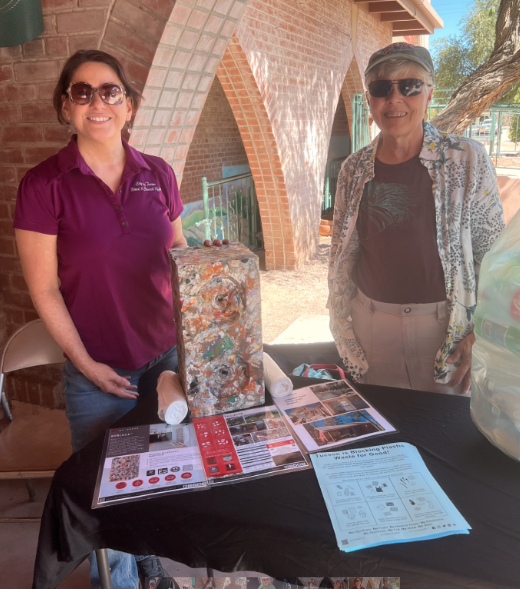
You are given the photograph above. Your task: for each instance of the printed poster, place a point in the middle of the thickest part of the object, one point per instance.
(244, 444)
(148, 460)
(383, 495)
(331, 414)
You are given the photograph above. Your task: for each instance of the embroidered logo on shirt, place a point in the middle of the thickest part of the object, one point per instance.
(145, 187)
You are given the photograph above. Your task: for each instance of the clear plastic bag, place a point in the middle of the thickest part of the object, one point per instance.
(495, 388)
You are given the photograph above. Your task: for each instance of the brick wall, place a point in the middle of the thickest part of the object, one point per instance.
(187, 56)
(305, 49)
(372, 34)
(216, 143)
(245, 98)
(340, 124)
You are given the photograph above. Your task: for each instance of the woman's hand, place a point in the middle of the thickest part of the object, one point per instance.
(462, 354)
(109, 381)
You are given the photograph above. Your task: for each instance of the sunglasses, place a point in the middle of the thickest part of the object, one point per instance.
(407, 87)
(83, 93)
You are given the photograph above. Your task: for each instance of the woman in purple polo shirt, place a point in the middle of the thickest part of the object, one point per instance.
(93, 226)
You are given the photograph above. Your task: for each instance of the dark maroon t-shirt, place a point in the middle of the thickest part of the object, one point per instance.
(399, 259)
(113, 260)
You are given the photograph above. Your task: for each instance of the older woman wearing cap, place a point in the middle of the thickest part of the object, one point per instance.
(416, 210)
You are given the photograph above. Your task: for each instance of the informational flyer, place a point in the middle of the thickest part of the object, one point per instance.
(246, 444)
(331, 414)
(382, 495)
(148, 460)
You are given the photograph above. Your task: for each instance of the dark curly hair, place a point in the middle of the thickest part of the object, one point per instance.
(86, 56)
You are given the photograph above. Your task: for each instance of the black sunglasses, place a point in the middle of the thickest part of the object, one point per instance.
(407, 87)
(83, 93)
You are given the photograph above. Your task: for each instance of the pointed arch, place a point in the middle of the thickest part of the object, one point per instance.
(247, 104)
(191, 45)
(353, 84)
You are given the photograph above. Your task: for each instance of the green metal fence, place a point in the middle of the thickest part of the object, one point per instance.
(231, 210)
(331, 183)
(360, 113)
(360, 138)
(489, 129)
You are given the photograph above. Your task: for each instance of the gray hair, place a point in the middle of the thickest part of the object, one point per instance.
(391, 69)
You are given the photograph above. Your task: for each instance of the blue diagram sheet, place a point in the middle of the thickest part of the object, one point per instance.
(383, 495)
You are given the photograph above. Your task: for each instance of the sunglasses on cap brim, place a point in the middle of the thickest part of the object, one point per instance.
(83, 93)
(407, 87)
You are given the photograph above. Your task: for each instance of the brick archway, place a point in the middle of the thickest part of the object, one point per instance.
(243, 94)
(189, 50)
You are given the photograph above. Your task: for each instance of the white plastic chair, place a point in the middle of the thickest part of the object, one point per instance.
(37, 441)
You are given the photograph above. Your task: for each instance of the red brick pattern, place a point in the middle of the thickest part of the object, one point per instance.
(184, 65)
(372, 34)
(340, 125)
(299, 55)
(216, 143)
(250, 112)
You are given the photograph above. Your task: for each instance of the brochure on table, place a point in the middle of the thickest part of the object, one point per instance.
(144, 461)
(141, 462)
(331, 414)
(383, 495)
(247, 444)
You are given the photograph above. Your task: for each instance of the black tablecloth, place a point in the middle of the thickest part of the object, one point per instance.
(280, 526)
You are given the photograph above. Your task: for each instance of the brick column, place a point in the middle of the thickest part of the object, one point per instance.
(249, 109)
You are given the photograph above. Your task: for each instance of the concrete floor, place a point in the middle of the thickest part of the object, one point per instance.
(18, 541)
(308, 328)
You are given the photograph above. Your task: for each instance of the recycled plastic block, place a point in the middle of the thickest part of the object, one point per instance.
(219, 327)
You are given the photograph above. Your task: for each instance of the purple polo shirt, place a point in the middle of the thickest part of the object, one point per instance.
(113, 259)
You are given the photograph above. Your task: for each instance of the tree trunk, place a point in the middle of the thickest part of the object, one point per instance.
(489, 82)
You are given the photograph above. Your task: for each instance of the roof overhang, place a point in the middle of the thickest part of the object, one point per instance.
(408, 17)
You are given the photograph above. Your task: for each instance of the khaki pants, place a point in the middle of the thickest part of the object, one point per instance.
(400, 342)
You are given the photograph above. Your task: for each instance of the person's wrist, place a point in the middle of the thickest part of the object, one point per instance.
(86, 365)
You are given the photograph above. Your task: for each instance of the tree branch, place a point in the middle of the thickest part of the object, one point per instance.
(489, 82)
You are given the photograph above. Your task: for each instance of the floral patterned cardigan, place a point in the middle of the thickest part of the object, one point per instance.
(469, 218)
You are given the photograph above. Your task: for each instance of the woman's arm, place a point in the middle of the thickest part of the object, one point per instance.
(39, 258)
(178, 239)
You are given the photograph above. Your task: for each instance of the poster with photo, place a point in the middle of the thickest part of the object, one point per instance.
(246, 444)
(331, 414)
(144, 461)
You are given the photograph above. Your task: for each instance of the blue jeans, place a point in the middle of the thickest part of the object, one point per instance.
(90, 412)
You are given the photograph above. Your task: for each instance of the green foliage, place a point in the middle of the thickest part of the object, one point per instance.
(514, 128)
(456, 57)
(451, 60)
